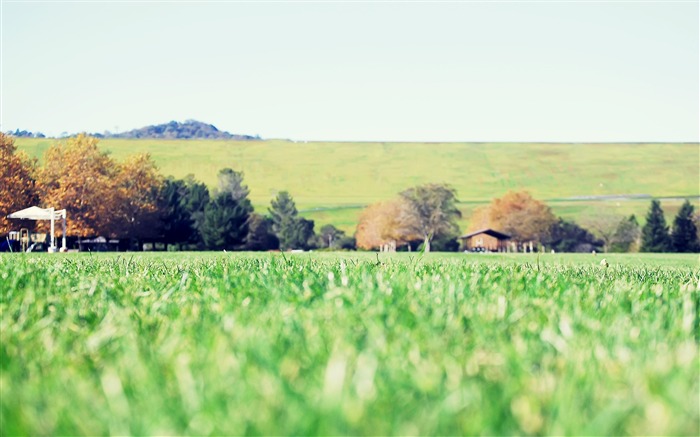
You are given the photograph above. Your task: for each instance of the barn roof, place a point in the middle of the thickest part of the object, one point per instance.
(488, 231)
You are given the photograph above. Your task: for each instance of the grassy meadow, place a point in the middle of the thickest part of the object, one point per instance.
(330, 182)
(356, 343)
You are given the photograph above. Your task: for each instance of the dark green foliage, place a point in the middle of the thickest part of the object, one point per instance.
(260, 235)
(330, 237)
(196, 201)
(231, 182)
(302, 235)
(225, 223)
(225, 220)
(282, 207)
(626, 235)
(292, 231)
(655, 236)
(685, 233)
(565, 236)
(177, 226)
(445, 243)
(347, 243)
(184, 201)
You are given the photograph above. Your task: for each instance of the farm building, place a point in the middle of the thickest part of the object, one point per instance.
(485, 240)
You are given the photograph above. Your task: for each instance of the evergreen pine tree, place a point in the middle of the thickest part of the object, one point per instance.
(225, 223)
(626, 235)
(302, 236)
(177, 225)
(293, 232)
(685, 234)
(655, 237)
(260, 235)
(231, 181)
(283, 213)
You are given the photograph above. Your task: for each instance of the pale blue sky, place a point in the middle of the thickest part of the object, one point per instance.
(479, 71)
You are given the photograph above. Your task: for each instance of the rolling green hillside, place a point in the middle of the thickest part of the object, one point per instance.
(330, 180)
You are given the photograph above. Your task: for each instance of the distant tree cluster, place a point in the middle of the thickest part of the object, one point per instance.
(104, 197)
(25, 134)
(682, 237)
(424, 215)
(527, 219)
(132, 200)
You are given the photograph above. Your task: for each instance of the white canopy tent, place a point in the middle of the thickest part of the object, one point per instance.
(36, 213)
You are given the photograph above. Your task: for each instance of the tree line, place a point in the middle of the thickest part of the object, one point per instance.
(131, 199)
(427, 216)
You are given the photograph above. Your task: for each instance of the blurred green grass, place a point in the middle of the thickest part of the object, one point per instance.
(353, 343)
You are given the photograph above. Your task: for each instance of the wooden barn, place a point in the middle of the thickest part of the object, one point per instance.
(485, 240)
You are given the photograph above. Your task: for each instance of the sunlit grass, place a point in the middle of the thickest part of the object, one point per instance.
(348, 344)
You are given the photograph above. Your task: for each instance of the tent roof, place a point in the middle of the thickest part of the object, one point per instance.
(36, 213)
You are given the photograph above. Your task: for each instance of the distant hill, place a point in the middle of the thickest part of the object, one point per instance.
(174, 130)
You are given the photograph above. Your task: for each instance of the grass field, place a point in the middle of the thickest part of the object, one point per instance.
(339, 177)
(349, 344)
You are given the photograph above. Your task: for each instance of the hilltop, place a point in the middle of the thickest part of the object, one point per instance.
(173, 130)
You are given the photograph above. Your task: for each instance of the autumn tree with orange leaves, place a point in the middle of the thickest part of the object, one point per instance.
(77, 176)
(381, 223)
(517, 214)
(17, 185)
(102, 197)
(139, 209)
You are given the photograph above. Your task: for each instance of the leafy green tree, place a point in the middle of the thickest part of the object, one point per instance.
(347, 243)
(655, 237)
(196, 200)
(684, 236)
(445, 243)
(566, 236)
(432, 212)
(225, 220)
(626, 235)
(225, 223)
(302, 235)
(283, 212)
(293, 232)
(177, 225)
(260, 235)
(183, 203)
(330, 237)
(231, 182)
